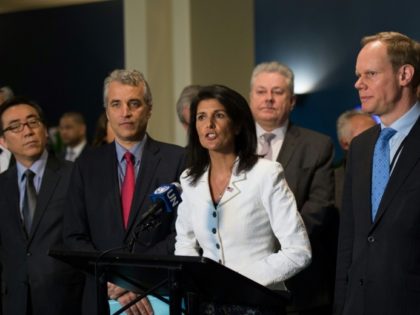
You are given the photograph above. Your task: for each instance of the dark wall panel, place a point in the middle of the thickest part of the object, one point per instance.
(319, 40)
(59, 57)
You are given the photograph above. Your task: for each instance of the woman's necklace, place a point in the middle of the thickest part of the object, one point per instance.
(219, 187)
(219, 197)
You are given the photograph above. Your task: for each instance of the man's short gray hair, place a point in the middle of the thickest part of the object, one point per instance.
(128, 77)
(185, 99)
(275, 67)
(343, 130)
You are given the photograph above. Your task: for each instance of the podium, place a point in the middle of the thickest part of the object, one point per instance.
(194, 279)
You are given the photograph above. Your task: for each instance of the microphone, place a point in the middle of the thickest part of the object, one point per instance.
(165, 197)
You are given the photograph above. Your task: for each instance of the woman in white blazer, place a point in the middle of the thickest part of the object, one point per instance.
(237, 207)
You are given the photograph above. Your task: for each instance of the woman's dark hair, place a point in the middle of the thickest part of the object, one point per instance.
(240, 114)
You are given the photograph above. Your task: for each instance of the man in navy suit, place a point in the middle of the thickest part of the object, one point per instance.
(97, 218)
(378, 265)
(32, 282)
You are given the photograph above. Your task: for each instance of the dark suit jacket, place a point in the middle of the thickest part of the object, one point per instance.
(94, 219)
(54, 286)
(339, 172)
(378, 266)
(307, 157)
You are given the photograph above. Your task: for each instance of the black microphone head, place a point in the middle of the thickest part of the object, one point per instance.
(169, 194)
(178, 187)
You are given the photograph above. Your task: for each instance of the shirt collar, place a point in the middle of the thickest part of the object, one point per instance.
(136, 149)
(38, 167)
(404, 124)
(78, 148)
(279, 132)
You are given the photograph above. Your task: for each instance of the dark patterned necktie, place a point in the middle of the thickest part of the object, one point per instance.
(29, 201)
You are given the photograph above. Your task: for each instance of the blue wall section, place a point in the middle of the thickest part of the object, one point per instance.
(319, 40)
(59, 57)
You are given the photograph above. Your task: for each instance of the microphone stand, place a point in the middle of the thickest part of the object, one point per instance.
(99, 278)
(145, 224)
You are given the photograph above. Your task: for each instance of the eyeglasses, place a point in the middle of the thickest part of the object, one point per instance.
(17, 126)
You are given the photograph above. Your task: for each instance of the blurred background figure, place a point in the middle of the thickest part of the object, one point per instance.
(349, 125)
(72, 129)
(237, 206)
(184, 102)
(6, 158)
(103, 132)
(6, 94)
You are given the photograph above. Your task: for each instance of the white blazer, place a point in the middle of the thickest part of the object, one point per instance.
(255, 229)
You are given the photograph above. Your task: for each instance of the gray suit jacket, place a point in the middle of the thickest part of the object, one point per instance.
(307, 157)
(54, 287)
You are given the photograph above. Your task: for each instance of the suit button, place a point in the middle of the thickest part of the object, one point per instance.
(28, 254)
(361, 282)
(213, 230)
(371, 239)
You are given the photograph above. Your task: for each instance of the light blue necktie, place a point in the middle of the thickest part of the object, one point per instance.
(380, 168)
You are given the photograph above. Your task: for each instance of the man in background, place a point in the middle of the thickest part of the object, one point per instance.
(306, 157)
(111, 185)
(72, 129)
(350, 124)
(6, 159)
(184, 102)
(6, 94)
(32, 203)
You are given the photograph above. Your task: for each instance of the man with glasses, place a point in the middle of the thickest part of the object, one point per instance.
(6, 159)
(33, 194)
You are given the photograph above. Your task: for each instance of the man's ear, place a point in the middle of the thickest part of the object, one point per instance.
(406, 73)
(345, 145)
(292, 101)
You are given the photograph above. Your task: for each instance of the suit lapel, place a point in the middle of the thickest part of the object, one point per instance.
(364, 187)
(111, 165)
(11, 192)
(410, 156)
(49, 182)
(149, 164)
(232, 189)
(288, 146)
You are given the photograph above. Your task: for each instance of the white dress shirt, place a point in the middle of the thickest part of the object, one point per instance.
(255, 229)
(72, 153)
(403, 127)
